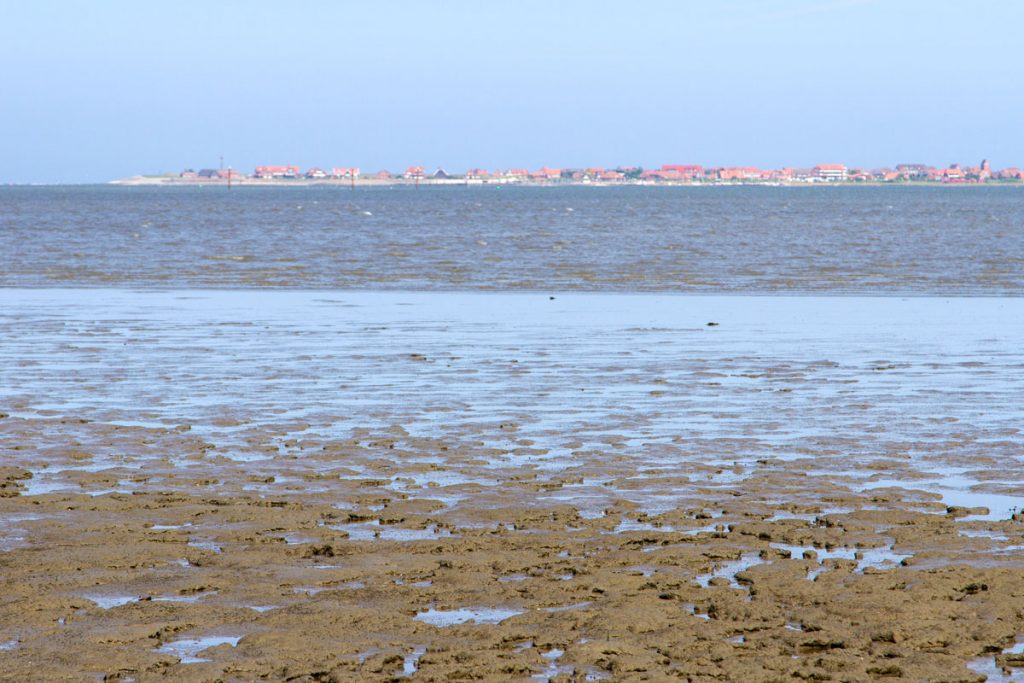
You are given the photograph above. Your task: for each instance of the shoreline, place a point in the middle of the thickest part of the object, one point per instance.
(212, 290)
(145, 181)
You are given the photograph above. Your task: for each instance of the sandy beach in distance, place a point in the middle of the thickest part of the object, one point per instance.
(339, 485)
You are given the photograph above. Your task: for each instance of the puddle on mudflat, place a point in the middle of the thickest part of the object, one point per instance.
(410, 664)
(111, 601)
(879, 558)
(955, 490)
(983, 533)
(634, 525)
(806, 516)
(875, 558)
(568, 608)
(190, 598)
(206, 545)
(511, 578)
(692, 609)
(375, 531)
(553, 669)
(730, 569)
(261, 608)
(297, 539)
(709, 529)
(43, 483)
(188, 649)
(466, 615)
(994, 673)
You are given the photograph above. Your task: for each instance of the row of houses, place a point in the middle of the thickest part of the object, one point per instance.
(668, 173)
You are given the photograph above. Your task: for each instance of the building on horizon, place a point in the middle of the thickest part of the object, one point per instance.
(267, 172)
(830, 172)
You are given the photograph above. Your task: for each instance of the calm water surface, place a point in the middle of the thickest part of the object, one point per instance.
(920, 240)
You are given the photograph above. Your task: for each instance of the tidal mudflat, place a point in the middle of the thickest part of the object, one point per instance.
(339, 485)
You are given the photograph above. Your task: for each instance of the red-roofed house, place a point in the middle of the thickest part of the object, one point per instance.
(661, 176)
(744, 173)
(414, 172)
(804, 175)
(277, 172)
(830, 172)
(546, 173)
(687, 171)
(345, 173)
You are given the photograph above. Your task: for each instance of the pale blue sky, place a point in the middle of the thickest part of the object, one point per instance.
(96, 90)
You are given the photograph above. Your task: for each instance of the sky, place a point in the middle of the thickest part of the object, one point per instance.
(91, 91)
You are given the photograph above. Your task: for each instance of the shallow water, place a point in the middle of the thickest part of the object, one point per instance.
(628, 396)
(924, 240)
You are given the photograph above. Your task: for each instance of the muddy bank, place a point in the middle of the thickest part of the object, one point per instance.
(238, 486)
(339, 577)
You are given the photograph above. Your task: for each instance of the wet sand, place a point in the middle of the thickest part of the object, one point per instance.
(340, 486)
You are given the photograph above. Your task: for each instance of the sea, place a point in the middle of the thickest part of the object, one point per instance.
(876, 241)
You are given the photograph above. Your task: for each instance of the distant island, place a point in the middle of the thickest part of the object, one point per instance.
(668, 174)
